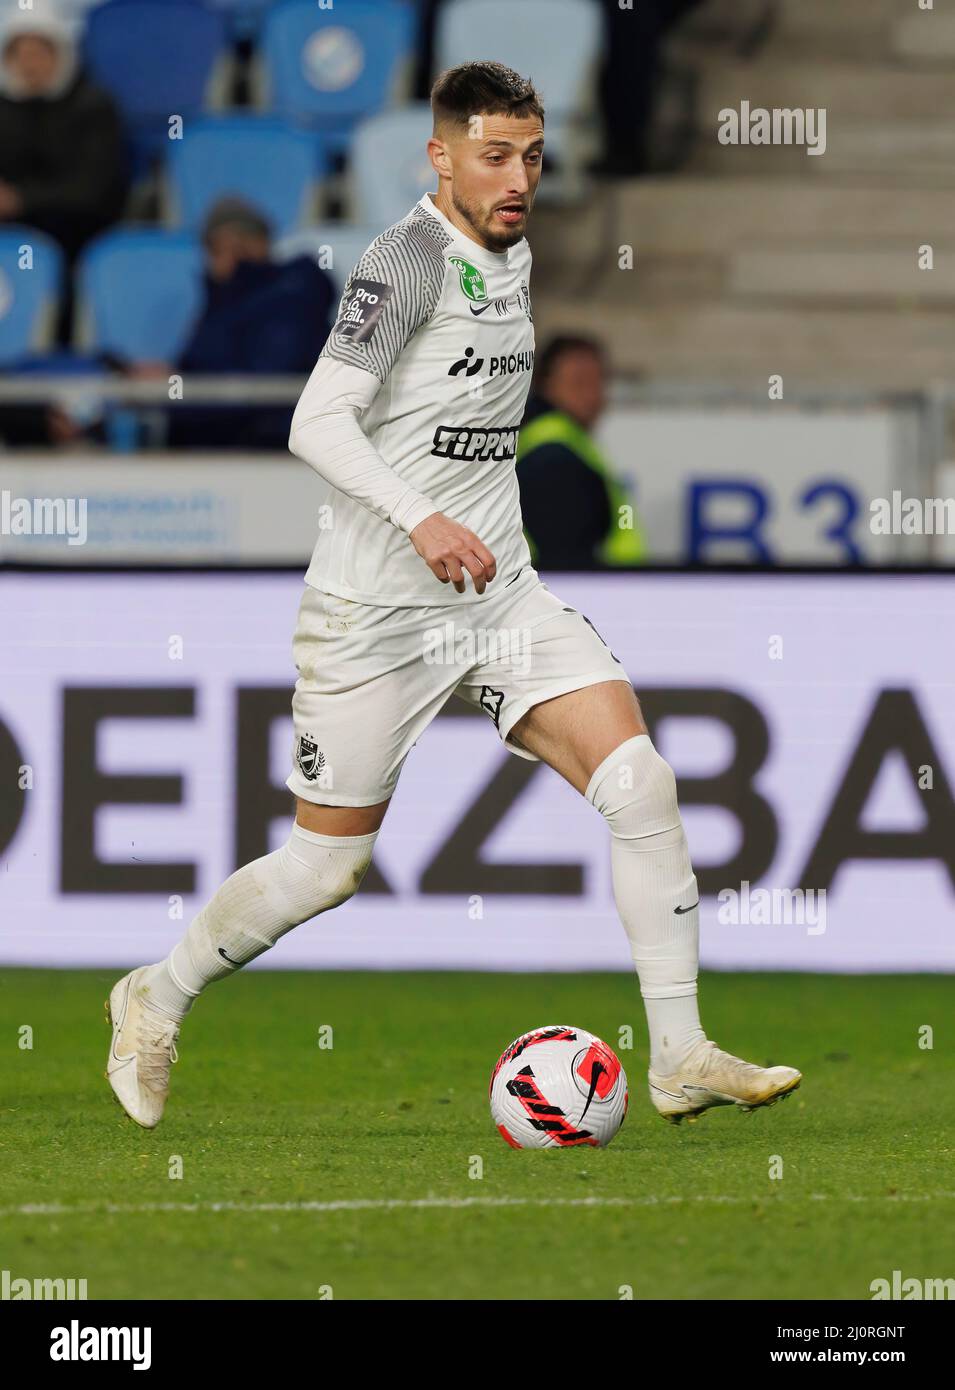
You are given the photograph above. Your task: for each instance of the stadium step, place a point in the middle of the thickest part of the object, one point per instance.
(701, 216)
(916, 41)
(905, 153)
(861, 30)
(894, 154)
(719, 23)
(926, 38)
(845, 90)
(883, 349)
(824, 17)
(792, 274)
(836, 275)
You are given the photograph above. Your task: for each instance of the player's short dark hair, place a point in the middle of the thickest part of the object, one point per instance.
(483, 89)
(548, 358)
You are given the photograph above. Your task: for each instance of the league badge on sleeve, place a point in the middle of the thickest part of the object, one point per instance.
(362, 306)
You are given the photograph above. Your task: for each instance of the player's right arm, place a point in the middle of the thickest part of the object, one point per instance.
(391, 292)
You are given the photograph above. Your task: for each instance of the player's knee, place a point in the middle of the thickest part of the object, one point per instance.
(635, 790)
(342, 882)
(314, 876)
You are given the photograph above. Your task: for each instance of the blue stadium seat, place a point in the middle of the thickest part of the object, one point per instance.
(389, 165)
(58, 362)
(139, 292)
(329, 68)
(562, 72)
(252, 157)
(157, 58)
(336, 246)
(28, 295)
(245, 16)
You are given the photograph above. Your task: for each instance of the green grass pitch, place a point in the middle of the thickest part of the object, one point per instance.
(397, 1110)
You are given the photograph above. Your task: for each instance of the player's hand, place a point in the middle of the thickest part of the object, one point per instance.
(448, 549)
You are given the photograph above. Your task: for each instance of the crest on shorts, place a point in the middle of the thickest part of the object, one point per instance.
(491, 701)
(310, 760)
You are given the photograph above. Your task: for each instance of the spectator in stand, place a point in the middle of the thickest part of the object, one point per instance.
(259, 316)
(628, 81)
(575, 512)
(62, 166)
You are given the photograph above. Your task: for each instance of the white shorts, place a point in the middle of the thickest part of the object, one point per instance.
(371, 679)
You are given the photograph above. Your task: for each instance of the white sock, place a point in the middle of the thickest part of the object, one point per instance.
(634, 789)
(253, 909)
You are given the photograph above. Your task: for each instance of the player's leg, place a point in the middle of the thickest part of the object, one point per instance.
(355, 686)
(320, 866)
(568, 701)
(596, 738)
(314, 871)
(340, 820)
(574, 732)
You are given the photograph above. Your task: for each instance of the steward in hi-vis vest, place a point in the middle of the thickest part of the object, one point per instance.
(576, 514)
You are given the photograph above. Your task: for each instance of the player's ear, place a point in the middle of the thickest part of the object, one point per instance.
(440, 156)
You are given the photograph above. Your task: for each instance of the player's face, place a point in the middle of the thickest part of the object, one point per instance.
(495, 169)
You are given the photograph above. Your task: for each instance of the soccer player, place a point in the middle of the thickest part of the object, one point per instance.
(411, 416)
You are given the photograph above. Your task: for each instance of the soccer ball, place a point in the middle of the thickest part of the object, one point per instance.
(556, 1088)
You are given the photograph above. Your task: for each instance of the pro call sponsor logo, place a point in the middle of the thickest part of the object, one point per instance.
(362, 306)
(470, 442)
(510, 365)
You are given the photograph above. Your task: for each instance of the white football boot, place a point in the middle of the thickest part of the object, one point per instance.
(140, 1054)
(708, 1076)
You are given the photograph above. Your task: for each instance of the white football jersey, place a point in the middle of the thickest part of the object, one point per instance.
(445, 326)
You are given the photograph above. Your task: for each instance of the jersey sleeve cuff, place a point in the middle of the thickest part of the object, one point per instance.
(411, 509)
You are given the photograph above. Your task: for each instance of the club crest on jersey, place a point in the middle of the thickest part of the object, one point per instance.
(310, 760)
(472, 281)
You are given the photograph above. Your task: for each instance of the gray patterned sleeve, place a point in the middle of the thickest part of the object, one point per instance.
(392, 291)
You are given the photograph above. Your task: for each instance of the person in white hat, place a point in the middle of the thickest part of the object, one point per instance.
(61, 141)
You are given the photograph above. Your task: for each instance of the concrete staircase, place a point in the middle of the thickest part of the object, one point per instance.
(762, 259)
